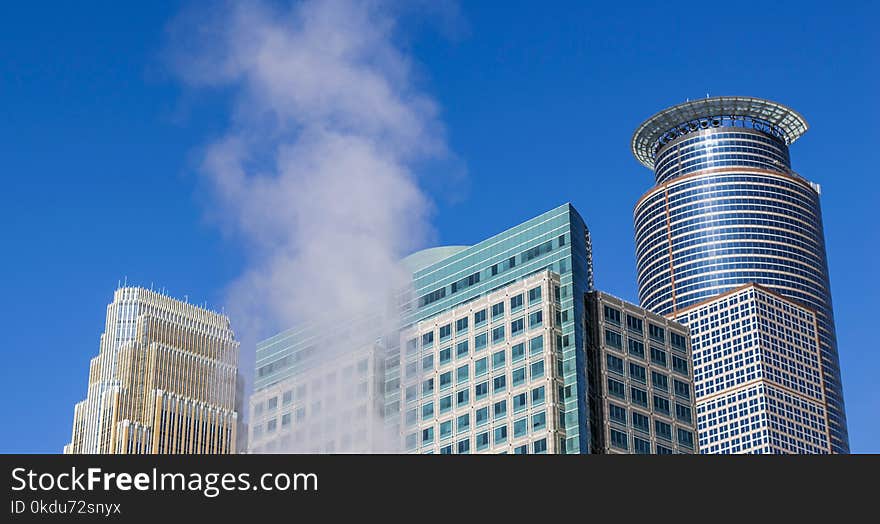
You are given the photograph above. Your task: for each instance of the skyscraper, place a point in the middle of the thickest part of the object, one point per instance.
(641, 385)
(758, 374)
(728, 210)
(164, 380)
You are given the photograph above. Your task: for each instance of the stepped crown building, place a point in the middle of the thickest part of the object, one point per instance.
(164, 380)
(728, 210)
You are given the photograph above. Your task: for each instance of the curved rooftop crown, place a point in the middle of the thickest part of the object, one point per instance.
(776, 119)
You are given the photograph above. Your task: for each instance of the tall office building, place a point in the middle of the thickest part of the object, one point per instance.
(728, 210)
(641, 386)
(757, 373)
(164, 380)
(492, 355)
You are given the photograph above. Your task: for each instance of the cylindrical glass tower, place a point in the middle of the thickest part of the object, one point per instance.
(727, 210)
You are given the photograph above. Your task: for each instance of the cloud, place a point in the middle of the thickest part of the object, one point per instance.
(316, 171)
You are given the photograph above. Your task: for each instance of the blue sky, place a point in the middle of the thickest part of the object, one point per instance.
(99, 145)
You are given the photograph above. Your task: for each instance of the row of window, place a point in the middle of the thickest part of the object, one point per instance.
(659, 358)
(620, 440)
(479, 318)
(495, 269)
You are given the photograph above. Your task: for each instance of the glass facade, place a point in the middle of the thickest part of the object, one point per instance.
(556, 242)
(728, 210)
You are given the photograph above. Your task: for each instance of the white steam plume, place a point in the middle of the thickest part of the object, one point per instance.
(316, 170)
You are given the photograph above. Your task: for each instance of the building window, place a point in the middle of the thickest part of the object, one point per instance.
(540, 446)
(520, 428)
(636, 348)
(500, 434)
(480, 341)
(519, 402)
(616, 413)
(461, 349)
(663, 430)
(445, 403)
(428, 363)
(657, 333)
(481, 390)
(658, 356)
(428, 411)
(445, 429)
(446, 380)
(613, 339)
(521, 450)
(612, 315)
(539, 421)
(464, 446)
(536, 319)
(445, 332)
(446, 450)
(538, 396)
(683, 413)
(641, 446)
(678, 341)
(499, 384)
(461, 326)
(499, 409)
(536, 345)
(482, 441)
(616, 388)
(463, 422)
(428, 339)
(518, 377)
(517, 327)
(637, 373)
(619, 440)
(681, 389)
(663, 450)
(537, 370)
(481, 416)
(498, 334)
(481, 367)
(685, 438)
(680, 366)
(516, 302)
(287, 398)
(661, 405)
(659, 381)
(517, 352)
(411, 346)
(639, 396)
(480, 317)
(462, 374)
(498, 359)
(461, 398)
(534, 295)
(641, 422)
(497, 310)
(445, 355)
(634, 324)
(614, 364)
